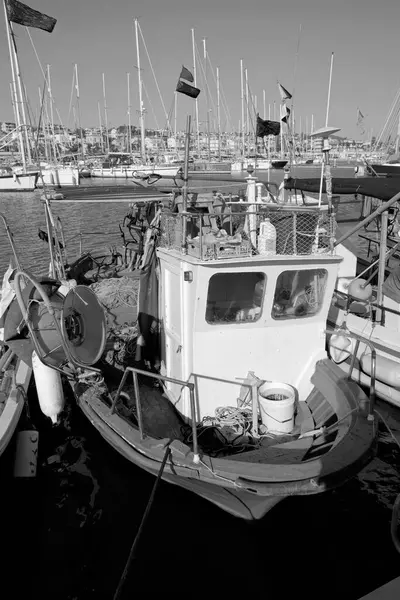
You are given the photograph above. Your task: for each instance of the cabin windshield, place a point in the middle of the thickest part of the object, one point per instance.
(299, 294)
(235, 298)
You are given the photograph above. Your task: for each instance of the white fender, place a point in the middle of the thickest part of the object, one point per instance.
(387, 369)
(360, 289)
(49, 388)
(340, 346)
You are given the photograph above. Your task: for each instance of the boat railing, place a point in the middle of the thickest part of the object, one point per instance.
(358, 339)
(135, 372)
(348, 299)
(234, 231)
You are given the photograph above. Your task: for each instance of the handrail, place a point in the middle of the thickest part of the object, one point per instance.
(349, 298)
(135, 372)
(359, 338)
(368, 219)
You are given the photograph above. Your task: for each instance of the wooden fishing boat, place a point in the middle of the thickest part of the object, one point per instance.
(366, 301)
(200, 346)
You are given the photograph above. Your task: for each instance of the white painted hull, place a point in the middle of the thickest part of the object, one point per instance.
(13, 405)
(18, 183)
(386, 342)
(59, 177)
(261, 164)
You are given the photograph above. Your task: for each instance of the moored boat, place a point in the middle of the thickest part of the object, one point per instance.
(366, 302)
(18, 182)
(222, 330)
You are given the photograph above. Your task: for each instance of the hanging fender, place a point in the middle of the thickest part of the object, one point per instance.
(387, 369)
(341, 346)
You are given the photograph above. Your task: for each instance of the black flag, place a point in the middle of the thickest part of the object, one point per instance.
(188, 90)
(267, 127)
(24, 15)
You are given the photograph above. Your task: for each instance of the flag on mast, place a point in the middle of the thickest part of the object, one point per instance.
(267, 127)
(285, 95)
(185, 88)
(186, 74)
(360, 121)
(285, 113)
(24, 15)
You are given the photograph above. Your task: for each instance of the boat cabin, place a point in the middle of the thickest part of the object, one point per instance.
(228, 311)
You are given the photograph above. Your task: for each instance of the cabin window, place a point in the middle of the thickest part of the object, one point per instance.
(235, 297)
(299, 294)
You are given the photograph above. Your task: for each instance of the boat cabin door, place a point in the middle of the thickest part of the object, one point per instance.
(171, 311)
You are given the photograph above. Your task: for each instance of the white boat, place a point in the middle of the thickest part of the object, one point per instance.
(370, 311)
(14, 182)
(15, 373)
(120, 165)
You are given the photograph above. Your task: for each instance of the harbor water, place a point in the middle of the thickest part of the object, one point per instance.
(66, 534)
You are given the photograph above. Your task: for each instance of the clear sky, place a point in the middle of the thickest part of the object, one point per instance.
(98, 35)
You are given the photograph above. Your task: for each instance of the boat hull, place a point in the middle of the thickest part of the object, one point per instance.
(18, 183)
(245, 488)
(13, 405)
(135, 171)
(387, 350)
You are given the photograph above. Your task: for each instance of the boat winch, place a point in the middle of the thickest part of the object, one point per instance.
(64, 330)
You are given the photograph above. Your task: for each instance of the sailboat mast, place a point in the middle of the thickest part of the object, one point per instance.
(14, 87)
(329, 92)
(105, 115)
(51, 111)
(101, 128)
(21, 96)
(129, 141)
(197, 102)
(207, 97)
(242, 103)
(79, 110)
(141, 111)
(247, 108)
(218, 116)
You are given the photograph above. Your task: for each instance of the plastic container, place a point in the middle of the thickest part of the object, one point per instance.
(276, 401)
(266, 243)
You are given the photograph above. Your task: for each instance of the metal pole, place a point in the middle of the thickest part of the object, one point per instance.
(329, 92)
(368, 219)
(382, 264)
(20, 136)
(218, 117)
(185, 184)
(105, 115)
(141, 109)
(195, 84)
(79, 110)
(101, 129)
(51, 250)
(18, 70)
(242, 104)
(129, 141)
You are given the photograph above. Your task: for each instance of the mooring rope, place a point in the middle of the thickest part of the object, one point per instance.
(132, 553)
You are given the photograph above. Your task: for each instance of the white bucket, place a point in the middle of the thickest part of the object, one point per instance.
(276, 402)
